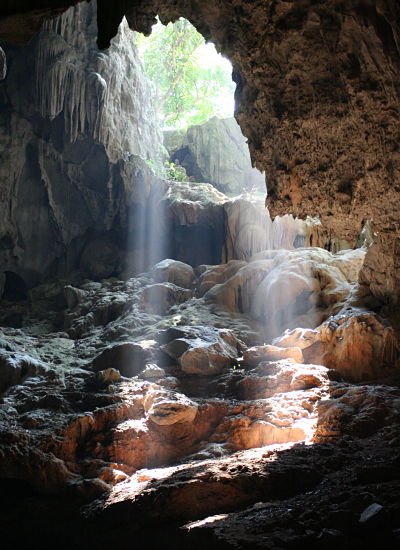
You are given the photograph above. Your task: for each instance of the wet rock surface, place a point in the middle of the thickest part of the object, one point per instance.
(183, 420)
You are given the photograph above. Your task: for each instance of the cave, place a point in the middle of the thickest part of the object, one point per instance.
(182, 363)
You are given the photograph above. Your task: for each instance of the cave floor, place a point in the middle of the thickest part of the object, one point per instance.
(137, 413)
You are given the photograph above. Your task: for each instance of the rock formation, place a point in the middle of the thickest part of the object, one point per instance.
(216, 152)
(192, 373)
(74, 123)
(326, 141)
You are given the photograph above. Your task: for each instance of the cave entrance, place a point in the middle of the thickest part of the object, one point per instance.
(203, 152)
(194, 95)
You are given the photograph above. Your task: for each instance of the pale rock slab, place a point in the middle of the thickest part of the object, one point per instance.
(173, 271)
(165, 408)
(256, 354)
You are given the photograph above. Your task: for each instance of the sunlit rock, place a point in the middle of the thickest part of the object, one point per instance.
(236, 293)
(255, 355)
(359, 411)
(350, 263)
(104, 378)
(203, 350)
(250, 229)
(152, 371)
(215, 151)
(359, 345)
(172, 271)
(298, 337)
(261, 433)
(166, 408)
(215, 274)
(271, 377)
(287, 288)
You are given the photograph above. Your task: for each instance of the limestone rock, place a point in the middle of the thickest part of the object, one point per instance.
(209, 276)
(152, 371)
(275, 377)
(355, 410)
(250, 229)
(15, 368)
(287, 288)
(350, 263)
(172, 271)
(160, 297)
(255, 355)
(129, 358)
(298, 337)
(359, 345)
(370, 516)
(74, 296)
(104, 378)
(166, 408)
(69, 160)
(215, 152)
(203, 350)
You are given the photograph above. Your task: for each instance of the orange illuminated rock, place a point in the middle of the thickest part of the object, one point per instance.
(166, 408)
(256, 354)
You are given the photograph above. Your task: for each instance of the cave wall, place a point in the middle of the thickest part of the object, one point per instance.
(216, 152)
(74, 124)
(317, 97)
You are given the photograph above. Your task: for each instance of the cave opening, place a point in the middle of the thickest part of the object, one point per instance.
(190, 369)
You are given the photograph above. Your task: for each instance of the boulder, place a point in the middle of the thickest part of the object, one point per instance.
(298, 337)
(166, 407)
(284, 375)
(359, 345)
(203, 350)
(172, 271)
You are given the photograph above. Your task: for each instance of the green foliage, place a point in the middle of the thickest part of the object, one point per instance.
(175, 172)
(191, 86)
